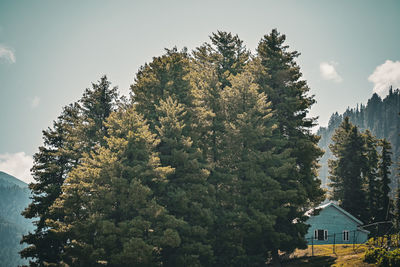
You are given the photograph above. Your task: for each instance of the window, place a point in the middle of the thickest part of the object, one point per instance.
(321, 234)
(345, 235)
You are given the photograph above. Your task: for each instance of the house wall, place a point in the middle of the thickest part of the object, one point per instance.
(335, 222)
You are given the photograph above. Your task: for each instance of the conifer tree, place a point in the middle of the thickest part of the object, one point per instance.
(77, 131)
(109, 213)
(397, 197)
(221, 60)
(370, 174)
(52, 164)
(230, 55)
(207, 118)
(397, 200)
(384, 204)
(279, 77)
(336, 177)
(214, 65)
(187, 193)
(247, 198)
(346, 171)
(165, 76)
(97, 103)
(397, 209)
(162, 93)
(380, 116)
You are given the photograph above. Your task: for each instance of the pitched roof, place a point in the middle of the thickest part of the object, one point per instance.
(309, 212)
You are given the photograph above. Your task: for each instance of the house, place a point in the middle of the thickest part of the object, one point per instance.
(334, 225)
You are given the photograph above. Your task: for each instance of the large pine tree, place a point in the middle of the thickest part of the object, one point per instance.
(346, 170)
(110, 215)
(249, 194)
(359, 174)
(166, 76)
(279, 77)
(212, 69)
(187, 193)
(97, 103)
(370, 174)
(396, 215)
(52, 164)
(214, 65)
(78, 130)
(384, 202)
(163, 95)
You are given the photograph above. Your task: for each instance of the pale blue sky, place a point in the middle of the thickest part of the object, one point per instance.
(50, 51)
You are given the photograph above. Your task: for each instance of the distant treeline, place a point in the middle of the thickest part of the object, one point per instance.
(379, 116)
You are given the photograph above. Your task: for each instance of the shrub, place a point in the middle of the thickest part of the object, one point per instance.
(382, 257)
(390, 258)
(373, 255)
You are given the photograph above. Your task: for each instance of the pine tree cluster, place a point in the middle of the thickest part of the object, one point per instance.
(212, 162)
(380, 116)
(359, 173)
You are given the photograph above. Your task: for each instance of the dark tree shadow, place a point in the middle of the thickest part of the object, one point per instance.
(317, 261)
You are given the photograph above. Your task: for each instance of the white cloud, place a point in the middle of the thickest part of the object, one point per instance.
(384, 76)
(7, 54)
(35, 102)
(328, 71)
(18, 165)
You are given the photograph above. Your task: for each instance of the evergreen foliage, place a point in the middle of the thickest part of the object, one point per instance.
(359, 174)
(370, 172)
(396, 215)
(77, 130)
(346, 170)
(385, 205)
(214, 65)
(165, 76)
(279, 77)
(397, 210)
(187, 192)
(51, 165)
(228, 54)
(249, 195)
(379, 116)
(97, 104)
(213, 163)
(110, 214)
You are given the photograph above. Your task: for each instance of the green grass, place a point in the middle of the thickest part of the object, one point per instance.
(344, 255)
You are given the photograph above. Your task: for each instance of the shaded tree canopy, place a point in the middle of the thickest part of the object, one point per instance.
(359, 173)
(211, 163)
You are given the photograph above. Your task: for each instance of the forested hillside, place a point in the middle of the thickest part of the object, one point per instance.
(14, 197)
(380, 116)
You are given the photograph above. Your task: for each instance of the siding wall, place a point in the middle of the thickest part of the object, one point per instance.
(335, 222)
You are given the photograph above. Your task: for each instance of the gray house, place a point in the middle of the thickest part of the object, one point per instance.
(334, 225)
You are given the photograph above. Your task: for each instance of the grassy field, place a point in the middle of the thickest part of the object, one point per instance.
(344, 255)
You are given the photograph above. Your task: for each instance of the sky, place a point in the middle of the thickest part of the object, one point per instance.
(50, 51)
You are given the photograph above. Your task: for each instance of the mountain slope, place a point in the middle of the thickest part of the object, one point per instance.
(381, 117)
(14, 197)
(6, 179)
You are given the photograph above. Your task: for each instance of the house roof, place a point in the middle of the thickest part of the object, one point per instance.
(363, 230)
(309, 212)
